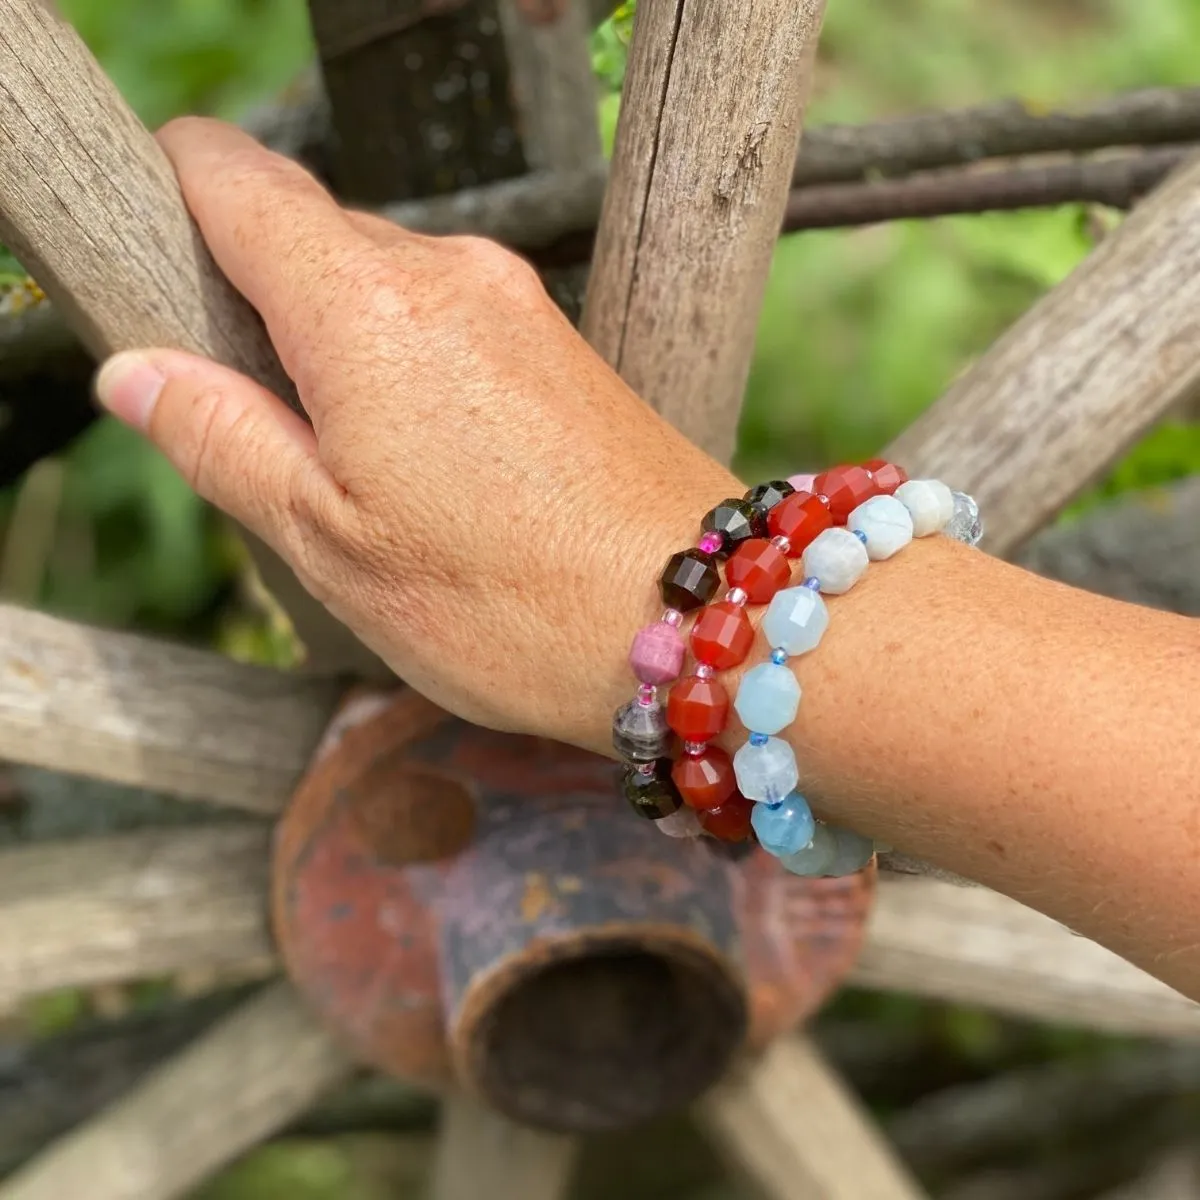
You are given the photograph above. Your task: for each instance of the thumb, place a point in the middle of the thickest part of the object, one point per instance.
(235, 443)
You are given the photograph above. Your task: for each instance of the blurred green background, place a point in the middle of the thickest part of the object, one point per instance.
(861, 329)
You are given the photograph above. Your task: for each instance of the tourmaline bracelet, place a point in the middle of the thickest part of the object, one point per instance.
(871, 513)
(698, 793)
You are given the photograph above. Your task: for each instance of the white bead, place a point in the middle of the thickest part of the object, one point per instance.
(766, 772)
(682, 823)
(930, 503)
(885, 522)
(796, 620)
(837, 558)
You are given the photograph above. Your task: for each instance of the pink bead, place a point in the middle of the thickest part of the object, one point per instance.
(710, 543)
(802, 483)
(737, 596)
(673, 617)
(657, 654)
(647, 694)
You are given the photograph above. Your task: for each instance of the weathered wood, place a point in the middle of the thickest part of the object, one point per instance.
(554, 90)
(481, 1153)
(136, 906)
(153, 715)
(973, 946)
(793, 1128)
(89, 203)
(710, 121)
(420, 96)
(251, 1075)
(1086, 370)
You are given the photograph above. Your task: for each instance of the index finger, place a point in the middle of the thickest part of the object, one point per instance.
(274, 231)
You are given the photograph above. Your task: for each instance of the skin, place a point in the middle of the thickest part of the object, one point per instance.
(488, 506)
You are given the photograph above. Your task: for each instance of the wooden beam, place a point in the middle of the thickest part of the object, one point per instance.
(974, 946)
(481, 1153)
(1085, 371)
(89, 203)
(149, 714)
(107, 910)
(710, 120)
(251, 1075)
(792, 1127)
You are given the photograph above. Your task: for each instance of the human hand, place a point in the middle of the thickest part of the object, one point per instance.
(479, 498)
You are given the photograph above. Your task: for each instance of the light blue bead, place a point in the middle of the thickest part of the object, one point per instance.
(783, 829)
(814, 858)
(768, 698)
(853, 852)
(767, 772)
(796, 620)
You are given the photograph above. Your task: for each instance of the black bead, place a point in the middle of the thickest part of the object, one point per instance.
(652, 796)
(690, 580)
(736, 521)
(765, 496)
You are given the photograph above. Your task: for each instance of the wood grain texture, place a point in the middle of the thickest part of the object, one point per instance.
(104, 910)
(973, 946)
(710, 121)
(793, 1128)
(90, 205)
(251, 1075)
(553, 86)
(153, 715)
(480, 1153)
(1083, 373)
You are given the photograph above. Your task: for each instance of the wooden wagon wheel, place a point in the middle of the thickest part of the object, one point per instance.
(697, 189)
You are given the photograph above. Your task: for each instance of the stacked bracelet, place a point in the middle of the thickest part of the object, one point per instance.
(836, 523)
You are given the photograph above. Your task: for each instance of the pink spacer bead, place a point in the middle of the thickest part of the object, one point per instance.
(704, 671)
(802, 483)
(672, 617)
(657, 653)
(782, 543)
(711, 542)
(647, 694)
(737, 596)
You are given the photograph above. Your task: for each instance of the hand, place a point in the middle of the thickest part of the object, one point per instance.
(480, 499)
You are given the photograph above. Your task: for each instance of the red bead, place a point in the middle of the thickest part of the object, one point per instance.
(722, 636)
(759, 568)
(846, 488)
(697, 709)
(730, 822)
(888, 477)
(799, 518)
(706, 780)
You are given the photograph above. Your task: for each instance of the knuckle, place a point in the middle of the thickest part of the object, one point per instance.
(493, 264)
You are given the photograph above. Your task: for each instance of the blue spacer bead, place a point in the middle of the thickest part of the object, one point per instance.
(759, 739)
(861, 535)
(779, 656)
(812, 582)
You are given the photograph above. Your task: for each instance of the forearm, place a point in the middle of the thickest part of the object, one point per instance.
(1030, 736)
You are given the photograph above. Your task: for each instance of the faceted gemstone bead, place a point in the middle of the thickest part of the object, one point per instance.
(690, 580)
(768, 698)
(682, 823)
(640, 732)
(885, 524)
(853, 852)
(796, 620)
(722, 636)
(783, 829)
(759, 568)
(698, 709)
(765, 496)
(816, 857)
(651, 794)
(799, 518)
(888, 477)
(656, 655)
(802, 482)
(766, 772)
(838, 559)
(736, 521)
(705, 780)
(930, 503)
(966, 525)
(845, 488)
(730, 822)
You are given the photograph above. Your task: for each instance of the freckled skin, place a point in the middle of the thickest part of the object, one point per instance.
(488, 507)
